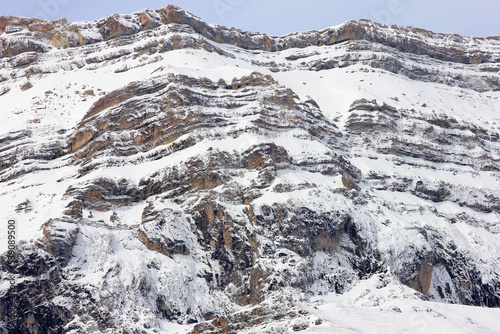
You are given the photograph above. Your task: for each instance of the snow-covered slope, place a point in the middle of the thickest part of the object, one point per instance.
(168, 175)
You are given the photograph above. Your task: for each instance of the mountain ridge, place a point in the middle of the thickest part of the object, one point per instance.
(117, 25)
(171, 176)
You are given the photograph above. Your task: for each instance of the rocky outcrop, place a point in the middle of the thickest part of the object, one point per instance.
(415, 41)
(437, 144)
(171, 28)
(224, 202)
(35, 311)
(146, 127)
(260, 318)
(60, 239)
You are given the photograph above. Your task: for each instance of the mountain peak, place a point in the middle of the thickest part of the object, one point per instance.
(170, 175)
(44, 35)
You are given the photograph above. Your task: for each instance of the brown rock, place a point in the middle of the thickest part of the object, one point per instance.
(112, 28)
(74, 209)
(349, 183)
(26, 86)
(24, 206)
(114, 218)
(24, 59)
(166, 247)
(421, 281)
(60, 239)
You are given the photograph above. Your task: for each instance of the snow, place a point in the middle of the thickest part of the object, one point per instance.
(383, 310)
(55, 105)
(91, 34)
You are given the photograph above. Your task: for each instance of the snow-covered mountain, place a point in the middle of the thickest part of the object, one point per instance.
(167, 175)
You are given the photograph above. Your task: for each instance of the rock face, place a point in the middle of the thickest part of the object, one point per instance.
(408, 40)
(21, 35)
(164, 169)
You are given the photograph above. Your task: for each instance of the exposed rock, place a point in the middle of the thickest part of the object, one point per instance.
(259, 319)
(224, 202)
(24, 59)
(60, 238)
(166, 247)
(26, 86)
(113, 26)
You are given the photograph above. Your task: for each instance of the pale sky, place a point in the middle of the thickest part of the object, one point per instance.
(277, 17)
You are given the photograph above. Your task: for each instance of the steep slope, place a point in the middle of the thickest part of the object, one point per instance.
(162, 170)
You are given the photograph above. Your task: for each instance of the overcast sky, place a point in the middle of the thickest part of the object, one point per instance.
(278, 17)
